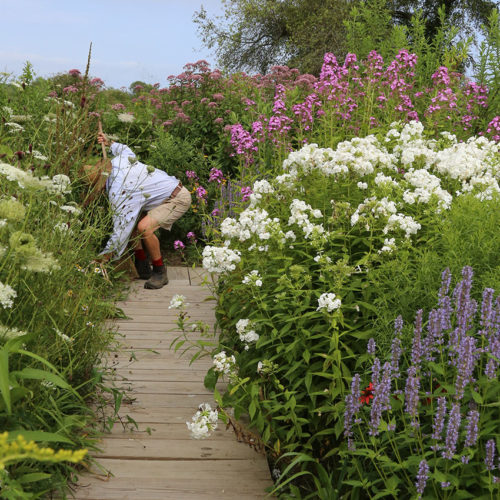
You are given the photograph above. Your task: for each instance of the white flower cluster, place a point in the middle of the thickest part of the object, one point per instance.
(245, 329)
(259, 188)
(329, 302)
(7, 294)
(178, 301)
(299, 214)
(223, 363)
(404, 222)
(220, 259)
(14, 127)
(58, 184)
(374, 207)
(125, 117)
(426, 185)
(251, 221)
(253, 278)
(204, 421)
(389, 246)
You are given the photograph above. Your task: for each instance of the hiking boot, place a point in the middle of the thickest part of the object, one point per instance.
(158, 278)
(143, 268)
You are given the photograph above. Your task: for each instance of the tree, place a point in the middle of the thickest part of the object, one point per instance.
(256, 34)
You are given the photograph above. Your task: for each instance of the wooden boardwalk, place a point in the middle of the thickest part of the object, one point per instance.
(159, 460)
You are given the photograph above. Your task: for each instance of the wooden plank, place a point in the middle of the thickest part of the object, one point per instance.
(177, 449)
(152, 470)
(165, 431)
(243, 488)
(164, 374)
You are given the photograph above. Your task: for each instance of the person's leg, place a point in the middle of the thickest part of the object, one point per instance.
(141, 260)
(146, 228)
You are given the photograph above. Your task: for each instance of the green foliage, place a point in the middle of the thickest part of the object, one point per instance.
(467, 236)
(453, 368)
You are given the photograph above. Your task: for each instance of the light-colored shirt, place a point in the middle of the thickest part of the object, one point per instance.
(132, 188)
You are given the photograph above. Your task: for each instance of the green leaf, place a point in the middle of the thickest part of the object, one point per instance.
(210, 379)
(39, 436)
(477, 397)
(36, 374)
(4, 379)
(34, 477)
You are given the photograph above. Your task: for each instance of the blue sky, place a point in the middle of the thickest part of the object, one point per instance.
(132, 40)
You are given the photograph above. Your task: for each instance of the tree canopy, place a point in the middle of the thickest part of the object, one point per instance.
(254, 35)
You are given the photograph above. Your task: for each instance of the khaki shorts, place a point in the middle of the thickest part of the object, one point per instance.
(171, 209)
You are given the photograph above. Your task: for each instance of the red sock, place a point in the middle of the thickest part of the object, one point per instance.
(158, 263)
(140, 254)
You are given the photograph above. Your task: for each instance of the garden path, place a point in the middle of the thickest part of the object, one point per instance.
(158, 460)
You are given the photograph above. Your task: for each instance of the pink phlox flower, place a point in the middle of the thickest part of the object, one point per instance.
(191, 174)
(246, 191)
(216, 175)
(201, 193)
(191, 237)
(178, 245)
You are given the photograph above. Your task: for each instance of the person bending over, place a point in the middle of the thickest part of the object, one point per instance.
(143, 199)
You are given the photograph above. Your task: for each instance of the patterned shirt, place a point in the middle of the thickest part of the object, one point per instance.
(132, 188)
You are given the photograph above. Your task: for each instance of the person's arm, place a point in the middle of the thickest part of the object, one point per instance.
(116, 148)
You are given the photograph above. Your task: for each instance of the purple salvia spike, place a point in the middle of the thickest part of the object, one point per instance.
(439, 416)
(381, 401)
(472, 428)
(466, 362)
(445, 284)
(422, 475)
(398, 325)
(411, 393)
(491, 369)
(371, 347)
(489, 459)
(375, 372)
(452, 431)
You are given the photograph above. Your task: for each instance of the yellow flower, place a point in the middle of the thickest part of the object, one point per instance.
(70, 293)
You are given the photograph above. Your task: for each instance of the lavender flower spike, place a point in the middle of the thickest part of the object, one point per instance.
(381, 401)
(423, 474)
(411, 393)
(371, 347)
(489, 460)
(472, 428)
(352, 405)
(438, 424)
(452, 431)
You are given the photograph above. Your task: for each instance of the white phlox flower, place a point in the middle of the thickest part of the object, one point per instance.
(404, 222)
(300, 212)
(220, 259)
(254, 278)
(245, 329)
(177, 302)
(251, 222)
(203, 422)
(389, 246)
(328, 302)
(223, 363)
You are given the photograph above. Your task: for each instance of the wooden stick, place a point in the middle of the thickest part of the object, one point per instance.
(104, 154)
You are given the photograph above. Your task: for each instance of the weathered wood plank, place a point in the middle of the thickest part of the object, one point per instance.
(177, 449)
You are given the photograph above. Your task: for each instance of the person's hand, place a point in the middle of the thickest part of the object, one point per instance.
(102, 138)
